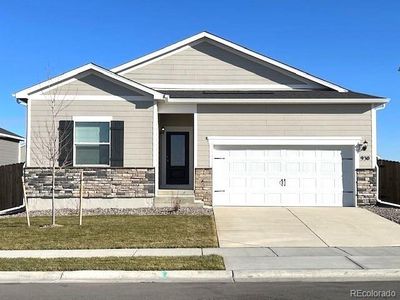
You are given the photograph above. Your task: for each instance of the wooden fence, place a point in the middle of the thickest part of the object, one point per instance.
(11, 194)
(389, 181)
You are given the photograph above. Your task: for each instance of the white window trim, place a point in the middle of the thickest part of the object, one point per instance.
(92, 119)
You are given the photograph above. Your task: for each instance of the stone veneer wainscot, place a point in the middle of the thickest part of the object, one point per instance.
(98, 182)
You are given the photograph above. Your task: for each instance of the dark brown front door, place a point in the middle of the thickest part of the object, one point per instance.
(177, 158)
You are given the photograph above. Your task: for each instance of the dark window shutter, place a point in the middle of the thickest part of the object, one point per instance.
(117, 143)
(65, 142)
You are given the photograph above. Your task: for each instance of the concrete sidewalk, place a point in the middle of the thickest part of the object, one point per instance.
(241, 259)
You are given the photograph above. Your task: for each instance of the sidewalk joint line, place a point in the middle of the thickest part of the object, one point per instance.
(343, 251)
(356, 263)
(307, 226)
(272, 250)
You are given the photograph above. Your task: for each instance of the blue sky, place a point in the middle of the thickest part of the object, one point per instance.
(355, 43)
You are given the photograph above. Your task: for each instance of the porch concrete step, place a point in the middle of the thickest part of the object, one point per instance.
(187, 200)
(175, 193)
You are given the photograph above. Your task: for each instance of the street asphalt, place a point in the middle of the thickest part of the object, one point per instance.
(279, 290)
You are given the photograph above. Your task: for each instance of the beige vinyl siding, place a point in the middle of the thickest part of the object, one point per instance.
(282, 120)
(205, 63)
(8, 152)
(137, 117)
(93, 85)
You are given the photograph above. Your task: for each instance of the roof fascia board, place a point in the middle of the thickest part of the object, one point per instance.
(12, 137)
(88, 67)
(232, 45)
(277, 101)
(158, 53)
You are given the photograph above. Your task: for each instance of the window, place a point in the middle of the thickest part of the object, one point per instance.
(92, 143)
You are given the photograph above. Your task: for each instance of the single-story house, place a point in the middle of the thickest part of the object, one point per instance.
(11, 148)
(207, 119)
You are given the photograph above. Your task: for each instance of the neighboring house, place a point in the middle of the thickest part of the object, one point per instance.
(206, 115)
(10, 147)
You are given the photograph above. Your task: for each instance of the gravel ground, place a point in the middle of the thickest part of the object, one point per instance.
(116, 211)
(388, 212)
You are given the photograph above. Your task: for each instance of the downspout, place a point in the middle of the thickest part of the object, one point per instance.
(380, 107)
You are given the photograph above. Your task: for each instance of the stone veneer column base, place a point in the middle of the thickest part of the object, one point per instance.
(366, 186)
(203, 185)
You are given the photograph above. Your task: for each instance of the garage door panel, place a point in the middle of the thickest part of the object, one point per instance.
(293, 167)
(256, 199)
(257, 183)
(255, 167)
(313, 176)
(274, 167)
(273, 199)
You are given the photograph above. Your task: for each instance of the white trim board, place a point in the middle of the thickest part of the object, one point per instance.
(278, 101)
(205, 35)
(39, 97)
(11, 137)
(92, 118)
(26, 93)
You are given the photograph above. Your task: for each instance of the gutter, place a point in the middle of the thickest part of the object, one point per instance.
(277, 101)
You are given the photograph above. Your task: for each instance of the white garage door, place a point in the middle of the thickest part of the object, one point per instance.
(277, 176)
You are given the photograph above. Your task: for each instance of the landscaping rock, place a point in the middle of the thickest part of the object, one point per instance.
(117, 211)
(388, 212)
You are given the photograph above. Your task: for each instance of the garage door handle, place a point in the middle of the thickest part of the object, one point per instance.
(219, 191)
(282, 182)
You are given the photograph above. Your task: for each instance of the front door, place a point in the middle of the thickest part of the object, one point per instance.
(177, 158)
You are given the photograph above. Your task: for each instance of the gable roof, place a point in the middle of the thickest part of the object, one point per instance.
(8, 134)
(245, 51)
(24, 94)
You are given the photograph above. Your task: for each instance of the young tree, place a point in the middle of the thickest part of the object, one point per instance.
(48, 140)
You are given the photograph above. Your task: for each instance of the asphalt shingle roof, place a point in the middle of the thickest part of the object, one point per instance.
(3, 131)
(316, 94)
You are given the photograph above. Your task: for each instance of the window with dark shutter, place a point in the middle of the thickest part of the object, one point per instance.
(65, 142)
(117, 143)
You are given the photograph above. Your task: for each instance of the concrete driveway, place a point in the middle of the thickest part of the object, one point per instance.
(303, 227)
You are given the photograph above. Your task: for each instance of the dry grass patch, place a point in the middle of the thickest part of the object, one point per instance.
(109, 232)
(143, 263)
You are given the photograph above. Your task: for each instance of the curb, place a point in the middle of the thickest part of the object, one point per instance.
(317, 275)
(92, 276)
(200, 276)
